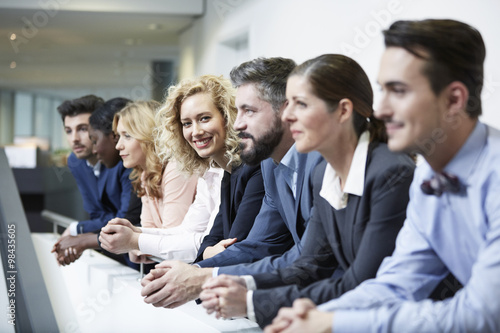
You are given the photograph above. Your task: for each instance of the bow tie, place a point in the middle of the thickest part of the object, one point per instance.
(441, 182)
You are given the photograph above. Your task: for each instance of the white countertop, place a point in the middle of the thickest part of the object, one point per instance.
(98, 294)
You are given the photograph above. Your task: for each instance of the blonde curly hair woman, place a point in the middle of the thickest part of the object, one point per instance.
(195, 128)
(170, 139)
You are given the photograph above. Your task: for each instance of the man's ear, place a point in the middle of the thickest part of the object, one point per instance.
(345, 109)
(283, 107)
(456, 96)
(114, 137)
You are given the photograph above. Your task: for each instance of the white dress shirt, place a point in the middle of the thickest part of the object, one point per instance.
(182, 242)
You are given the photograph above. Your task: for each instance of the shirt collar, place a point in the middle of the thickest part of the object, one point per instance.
(290, 159)
(355, 182)
(464, 161)
(289, 166)
(213, 172)
(96, 168)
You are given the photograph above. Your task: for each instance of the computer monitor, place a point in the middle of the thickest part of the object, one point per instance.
(29, 309)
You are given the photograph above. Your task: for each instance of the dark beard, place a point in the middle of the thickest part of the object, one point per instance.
(263, 147)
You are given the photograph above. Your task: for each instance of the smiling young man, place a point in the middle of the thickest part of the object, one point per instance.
(431, 76)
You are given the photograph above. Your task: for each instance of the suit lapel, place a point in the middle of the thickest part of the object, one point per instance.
(350, 218)
(233, 186)
(101, 181)
(329, 224)
(286, 195)
(302, 173)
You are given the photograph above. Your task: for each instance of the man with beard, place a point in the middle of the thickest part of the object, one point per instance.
(286, 207)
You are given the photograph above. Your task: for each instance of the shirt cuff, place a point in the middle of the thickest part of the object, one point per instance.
(250, 282)
(73, 229)
(151, 231)
(148, 244)
(250, 308)
(352, 321)
(215, 271)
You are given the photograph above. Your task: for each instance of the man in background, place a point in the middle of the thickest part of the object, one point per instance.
(106, 191)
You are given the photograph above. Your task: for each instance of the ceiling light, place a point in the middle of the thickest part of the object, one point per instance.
(129, 41)
(13, 65)
(132, 41)
(13, 36)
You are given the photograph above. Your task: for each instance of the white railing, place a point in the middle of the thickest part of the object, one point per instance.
(57, 219)
(64, 221)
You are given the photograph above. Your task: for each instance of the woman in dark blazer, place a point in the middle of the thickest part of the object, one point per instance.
(195, 127)
(360, 193)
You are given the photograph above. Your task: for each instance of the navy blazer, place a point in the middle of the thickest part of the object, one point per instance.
(353, 241)
(280, 224)
(242, 191)
(105, 197)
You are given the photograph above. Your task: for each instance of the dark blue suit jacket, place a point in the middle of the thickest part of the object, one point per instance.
(280, 224)
(241, 197)
(353, 240)
(105, 197)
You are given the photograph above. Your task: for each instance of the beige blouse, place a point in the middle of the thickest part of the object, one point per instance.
(178, 192)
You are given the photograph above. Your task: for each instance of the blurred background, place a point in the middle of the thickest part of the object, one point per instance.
(52, 50)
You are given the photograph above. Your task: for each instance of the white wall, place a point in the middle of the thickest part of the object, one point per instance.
(300, 30)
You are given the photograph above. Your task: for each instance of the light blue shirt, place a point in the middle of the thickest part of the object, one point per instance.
(289, 166)
(451, 233)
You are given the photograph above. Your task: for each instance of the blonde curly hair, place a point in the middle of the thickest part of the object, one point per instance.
(169, 138)
(138, 118)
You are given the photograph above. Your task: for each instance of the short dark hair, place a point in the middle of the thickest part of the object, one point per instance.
(269, 76)
(333, 77)
(74, 107)
(102, 118)
(454, 51)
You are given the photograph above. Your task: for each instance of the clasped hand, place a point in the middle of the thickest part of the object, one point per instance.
(173, 283)
(226, 296)
(67, 249)
(119, 236)
(302, 317)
